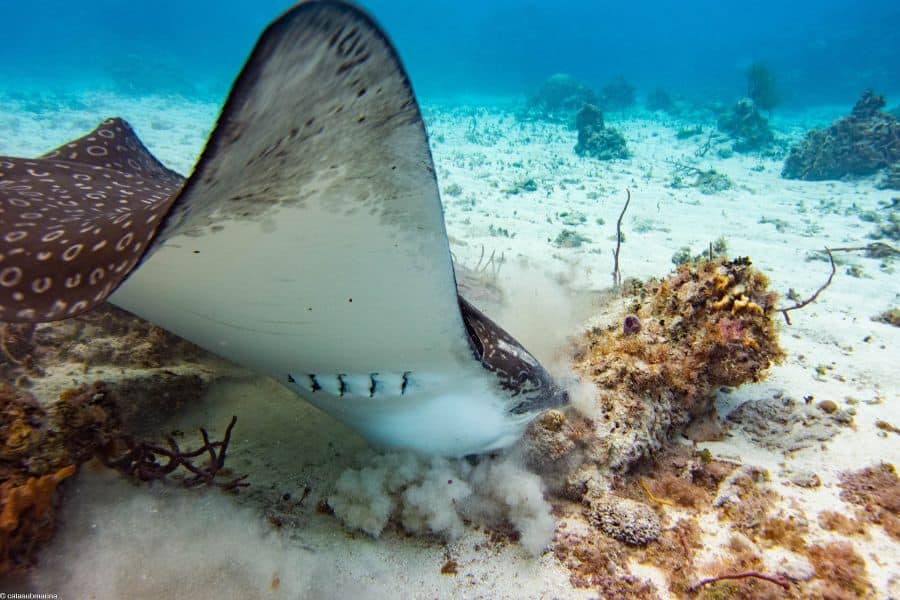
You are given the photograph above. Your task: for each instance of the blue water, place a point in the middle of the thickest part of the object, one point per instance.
(823, 51)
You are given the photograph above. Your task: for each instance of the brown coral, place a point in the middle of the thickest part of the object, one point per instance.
(835, 521)
(841, 568)
(751, 584)
(674, 553)
(877, 490)
(600, 563)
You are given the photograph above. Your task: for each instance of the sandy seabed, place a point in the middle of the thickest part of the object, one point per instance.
(509, 189)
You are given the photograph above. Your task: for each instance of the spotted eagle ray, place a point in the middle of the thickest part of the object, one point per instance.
(308, 244)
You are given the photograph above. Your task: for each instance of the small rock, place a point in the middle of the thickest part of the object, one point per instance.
(828, 406)
(806, 479)
(843, 417)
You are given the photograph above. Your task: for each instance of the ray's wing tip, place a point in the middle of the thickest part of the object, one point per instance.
(333, 5)
(311, 8)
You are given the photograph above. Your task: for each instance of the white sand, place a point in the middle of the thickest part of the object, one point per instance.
(117, 540)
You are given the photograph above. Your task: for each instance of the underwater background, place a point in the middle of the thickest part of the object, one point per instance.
(754, 440)
(823, 52)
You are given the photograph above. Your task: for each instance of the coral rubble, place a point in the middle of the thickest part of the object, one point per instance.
(786, 425)
(860, 144)
(600, 563)
(889, 229)
(891, 317)
(154, 369)
(842, 570)
(706, 181)
(595, 139)
(746, 126)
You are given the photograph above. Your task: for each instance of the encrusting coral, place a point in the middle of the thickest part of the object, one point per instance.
(595, 139)
(26, 518)
(860, 144)
(653, 367)
(33, 462)
(746, 126)
(706, 326)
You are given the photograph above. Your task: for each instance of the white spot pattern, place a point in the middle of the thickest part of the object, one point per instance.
(74, 222)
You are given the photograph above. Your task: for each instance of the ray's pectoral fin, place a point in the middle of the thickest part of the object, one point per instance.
(309, 243)
(517, 371)
(76, 221)
(310, 237)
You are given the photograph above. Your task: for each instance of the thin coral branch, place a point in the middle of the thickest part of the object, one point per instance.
(873, 250)
(617, 275)
(654, 498)
(480, 258)
(144, 462)
(679, 167)
(812, 298)
(498, 265)
(704, 148)
(776, 580)
(495, 263)
(490, 261)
